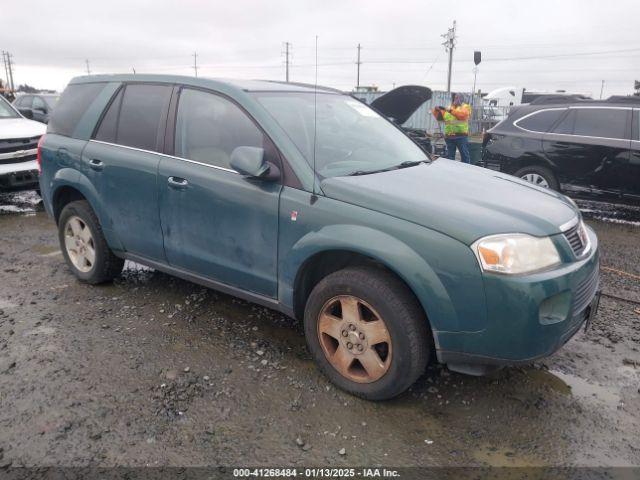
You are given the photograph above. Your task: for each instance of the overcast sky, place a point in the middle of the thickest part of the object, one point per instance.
(541, 45)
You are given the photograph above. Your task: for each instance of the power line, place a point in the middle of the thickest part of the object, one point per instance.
(564, 55)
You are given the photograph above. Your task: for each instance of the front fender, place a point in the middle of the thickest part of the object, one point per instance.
(382, 247)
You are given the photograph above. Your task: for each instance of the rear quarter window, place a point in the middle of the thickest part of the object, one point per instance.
(601, 122)
(73, 103)
(541, 121)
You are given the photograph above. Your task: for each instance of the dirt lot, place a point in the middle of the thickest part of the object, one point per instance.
(152, 370)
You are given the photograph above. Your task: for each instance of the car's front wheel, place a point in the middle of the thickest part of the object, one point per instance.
(540, 176)
(367, 332)
(83, 244)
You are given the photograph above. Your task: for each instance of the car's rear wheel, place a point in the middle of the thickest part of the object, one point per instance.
(540, 176)
(367, 332)
(84, 246)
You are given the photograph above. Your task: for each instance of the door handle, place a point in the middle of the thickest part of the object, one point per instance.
(96, 164)
(177, 182)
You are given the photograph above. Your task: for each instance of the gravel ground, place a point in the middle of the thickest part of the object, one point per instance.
(152, 370)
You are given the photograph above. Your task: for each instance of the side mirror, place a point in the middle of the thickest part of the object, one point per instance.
(251, 162)
(26, 112)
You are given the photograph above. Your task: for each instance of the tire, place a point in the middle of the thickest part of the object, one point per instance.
(105, 266)
(542, 172)
(379, 295)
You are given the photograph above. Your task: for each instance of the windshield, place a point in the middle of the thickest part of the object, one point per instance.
(350, 136)
(51, 100)
(6, 110)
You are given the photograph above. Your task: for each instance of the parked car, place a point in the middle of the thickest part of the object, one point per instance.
(18, 141)
(36, 107)
(584, 148)
(399, 104)
(309, 202)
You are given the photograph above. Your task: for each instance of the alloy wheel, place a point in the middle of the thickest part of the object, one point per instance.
(536, 179)
(354, 339)
(79, 244)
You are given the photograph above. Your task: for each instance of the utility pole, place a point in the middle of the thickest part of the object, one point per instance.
(9, 63)
(88, 67)
(287, 54)
(358, 63)
(195, 63)
(601, 89)
(449, 44)
(6, 68)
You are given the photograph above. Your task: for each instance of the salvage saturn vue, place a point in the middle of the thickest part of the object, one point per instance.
(309, 202)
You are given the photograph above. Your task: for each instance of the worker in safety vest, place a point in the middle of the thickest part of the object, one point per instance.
(456, 127)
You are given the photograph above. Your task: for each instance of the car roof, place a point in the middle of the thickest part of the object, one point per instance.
(577, 101)
(205, 82)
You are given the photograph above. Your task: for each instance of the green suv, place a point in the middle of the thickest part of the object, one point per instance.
(309, 202)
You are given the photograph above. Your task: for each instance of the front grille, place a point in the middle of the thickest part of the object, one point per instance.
(9, 145)
(19, 179)
(577, 238)
(582, 298)
(26, 158)
(585, 292)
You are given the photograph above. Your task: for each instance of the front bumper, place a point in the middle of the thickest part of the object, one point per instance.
(530, 316)
(19, 176)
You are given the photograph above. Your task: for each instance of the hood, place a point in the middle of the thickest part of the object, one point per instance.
(20, 128)
(400, 103)
(459, 200)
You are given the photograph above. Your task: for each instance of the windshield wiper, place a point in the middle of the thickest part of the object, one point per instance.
(410, 163)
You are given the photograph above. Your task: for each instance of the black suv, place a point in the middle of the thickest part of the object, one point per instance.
(584, 148)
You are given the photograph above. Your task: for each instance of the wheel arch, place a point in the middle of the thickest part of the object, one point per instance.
(62, 196)
(66, 189)
(316, 256)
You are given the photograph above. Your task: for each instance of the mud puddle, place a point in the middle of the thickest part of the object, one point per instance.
(20, 203)
(579, 388)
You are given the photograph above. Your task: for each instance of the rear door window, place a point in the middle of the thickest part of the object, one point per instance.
(541, 121)
(601, 122)
(209, 127)
(73, 103)
(141, 115)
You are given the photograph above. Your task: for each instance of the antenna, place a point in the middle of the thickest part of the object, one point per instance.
(315, 121)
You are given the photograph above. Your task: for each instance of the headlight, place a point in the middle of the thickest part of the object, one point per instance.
(515, 253)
